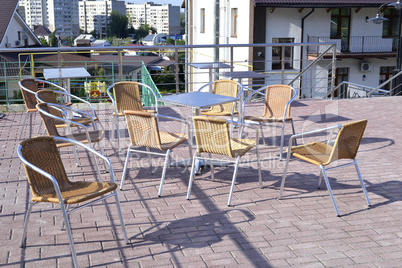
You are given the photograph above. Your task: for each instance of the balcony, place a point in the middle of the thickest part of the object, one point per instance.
(357, 45)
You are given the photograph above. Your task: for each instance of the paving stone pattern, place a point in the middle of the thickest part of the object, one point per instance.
(258, 230)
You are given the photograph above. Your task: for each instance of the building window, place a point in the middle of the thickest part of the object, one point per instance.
(282, 54)
(390, 26)
(202, 20)
(386, 72)
(340, 25)
(341, 74)
(234, 22)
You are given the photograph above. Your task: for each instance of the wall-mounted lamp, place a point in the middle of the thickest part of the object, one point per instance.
(364, 77)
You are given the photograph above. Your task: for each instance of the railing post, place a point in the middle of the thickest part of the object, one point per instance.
(333, 71)
(176, 52)
(283, 64)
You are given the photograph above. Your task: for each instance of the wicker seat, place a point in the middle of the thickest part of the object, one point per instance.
(226, 88)
(322, 154)
(212, 136)
(29, 87)
(50, 96)
(127, 96)
(143, 129)
(48, 182)
(87, 136)
(278, 99)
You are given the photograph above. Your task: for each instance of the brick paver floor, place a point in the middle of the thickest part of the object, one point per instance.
(258, 230)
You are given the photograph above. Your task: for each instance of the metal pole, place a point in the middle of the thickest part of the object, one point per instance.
(396, 88)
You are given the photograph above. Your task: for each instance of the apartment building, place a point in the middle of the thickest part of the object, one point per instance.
(365, 52)
(93, 15)
(35, 12)
(164, 18)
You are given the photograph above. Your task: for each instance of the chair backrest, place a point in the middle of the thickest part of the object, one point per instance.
(127, 96)
(49, 122)
(212, 135)
(348, 141)
(143, 129)
(48, 96)
(42, 152)
(226, 88)
(276, 98)
(29, 98)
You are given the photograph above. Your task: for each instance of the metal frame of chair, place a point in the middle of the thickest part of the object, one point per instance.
(28, 87)
(274, 111)
(128, 98)
(224, 87)
(51, 175)
(143, 129)
(49, 119)
(321, 154)
(212, 136)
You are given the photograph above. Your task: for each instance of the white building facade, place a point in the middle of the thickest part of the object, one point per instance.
(35, 12)
(93, 15)
(365, 52)
(164, 18)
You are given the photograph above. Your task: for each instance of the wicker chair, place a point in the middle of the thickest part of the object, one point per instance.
(127, 96)
(48, 182)
(322, 154)
(227, 88)
(51, 96)
(212, 137)
(29, 87)
(87, 137)
(278, 99)
(143, 129)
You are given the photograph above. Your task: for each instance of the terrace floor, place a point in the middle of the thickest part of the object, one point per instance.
(258, 230)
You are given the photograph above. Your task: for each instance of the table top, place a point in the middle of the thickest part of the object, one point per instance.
(244, 74)
(61, 73)
(210, 65)
(198, 99)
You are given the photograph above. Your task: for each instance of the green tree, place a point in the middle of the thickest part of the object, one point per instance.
(170, 41)
(182, 23)
(53, 40)
(44, 41)
(118, 25)
(180, 42)
(144, 31)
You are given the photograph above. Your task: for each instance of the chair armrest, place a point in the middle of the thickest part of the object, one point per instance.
(77, 98)
(91, 150)
(52, 84)
(312, 132)
(172, 118)
(242, 124)
(208, 84)
(63, 108)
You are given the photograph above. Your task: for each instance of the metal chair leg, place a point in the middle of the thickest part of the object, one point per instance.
(192, 173)
(123, 226)
(258, 165)
(24, 231)
(282, 140)
(164, 172)
(233, 180)
(125, 168)
(23, 125)
(362, 183)
(284, 176)
(212, 168)
(329, 190)
(149, 160)
(70, 237)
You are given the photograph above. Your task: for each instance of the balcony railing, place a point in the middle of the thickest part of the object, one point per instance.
(356, 44)
(309, 78)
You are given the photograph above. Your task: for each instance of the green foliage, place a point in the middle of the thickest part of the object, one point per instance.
(169, 41)
(118, 25)
(17, 96)
(180, 42)
(53, 40)
(144, 31)
(44, 41)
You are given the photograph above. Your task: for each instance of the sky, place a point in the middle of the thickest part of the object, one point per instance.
(173, 2)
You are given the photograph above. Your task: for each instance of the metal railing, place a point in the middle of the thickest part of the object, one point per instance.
(357, 44)
(310, 78)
